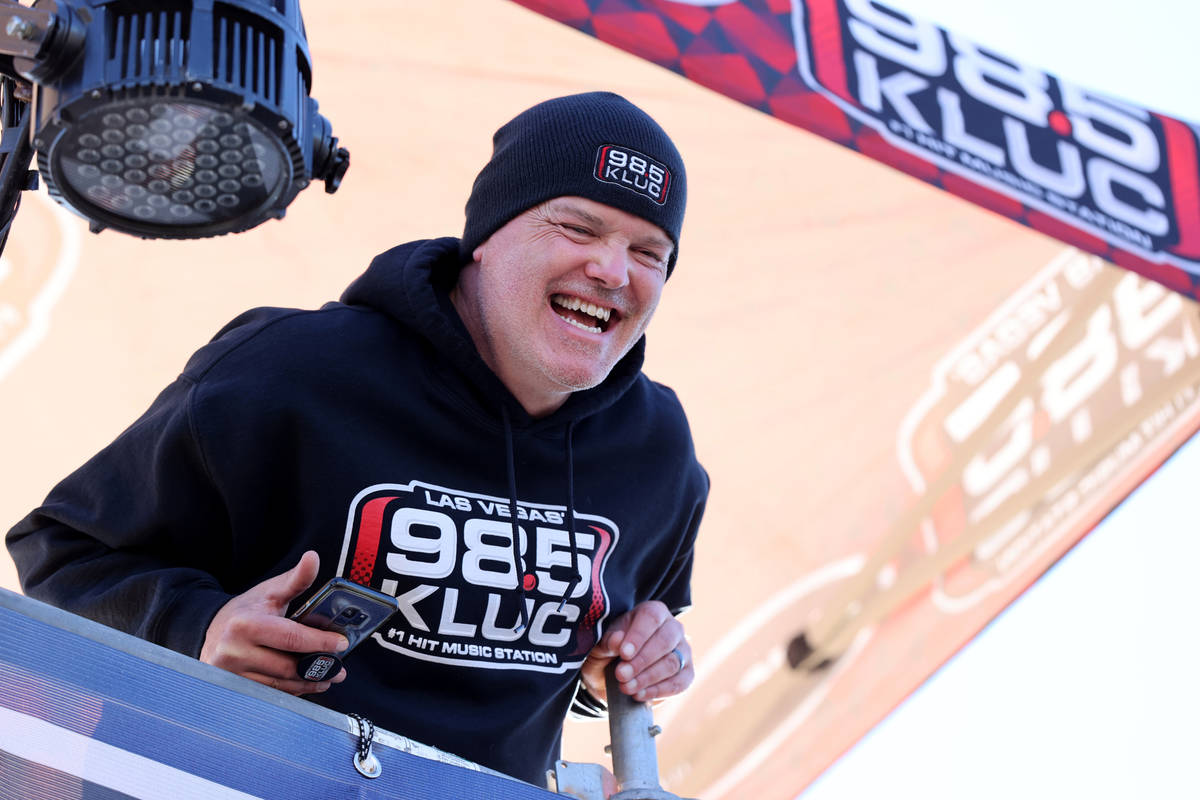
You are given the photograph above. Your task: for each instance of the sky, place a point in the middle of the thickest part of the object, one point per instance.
(1086, 686)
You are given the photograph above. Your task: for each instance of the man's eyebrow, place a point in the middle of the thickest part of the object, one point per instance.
(585, 216)
(651, 239)
(654, 240)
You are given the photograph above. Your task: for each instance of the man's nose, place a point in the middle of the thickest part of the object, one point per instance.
(609, 265)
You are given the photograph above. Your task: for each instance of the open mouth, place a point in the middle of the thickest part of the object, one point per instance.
(582, 314)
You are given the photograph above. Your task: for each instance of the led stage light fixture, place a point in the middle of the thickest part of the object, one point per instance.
(171, 118)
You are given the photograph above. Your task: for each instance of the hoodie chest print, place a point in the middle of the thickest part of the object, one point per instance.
(448, 557)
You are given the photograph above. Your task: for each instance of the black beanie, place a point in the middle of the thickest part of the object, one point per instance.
(596, 145)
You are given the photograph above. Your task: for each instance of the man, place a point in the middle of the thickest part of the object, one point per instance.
(468, 430)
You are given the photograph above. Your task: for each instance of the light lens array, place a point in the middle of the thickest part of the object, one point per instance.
(177, 164)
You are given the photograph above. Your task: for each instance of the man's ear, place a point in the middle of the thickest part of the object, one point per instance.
(477, 255)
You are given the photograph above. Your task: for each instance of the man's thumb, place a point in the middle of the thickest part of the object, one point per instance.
(286, 587)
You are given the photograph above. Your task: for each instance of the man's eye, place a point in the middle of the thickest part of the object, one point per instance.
(577, 229)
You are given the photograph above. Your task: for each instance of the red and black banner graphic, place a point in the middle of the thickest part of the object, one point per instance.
(1102, 174)
(448, 557)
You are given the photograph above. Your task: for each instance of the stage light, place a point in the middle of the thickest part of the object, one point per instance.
(171, 118)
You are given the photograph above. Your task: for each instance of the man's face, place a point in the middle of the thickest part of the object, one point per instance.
(559, 294)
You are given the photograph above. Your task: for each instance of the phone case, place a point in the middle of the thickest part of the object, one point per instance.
(350, 609)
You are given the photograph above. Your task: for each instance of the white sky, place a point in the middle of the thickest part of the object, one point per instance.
(1088, 685)
(1143, 50)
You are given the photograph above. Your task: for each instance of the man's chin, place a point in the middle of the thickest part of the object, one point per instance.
(578, 379)
(575, 369)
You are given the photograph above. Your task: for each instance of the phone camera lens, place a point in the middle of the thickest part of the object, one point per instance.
(351, 618)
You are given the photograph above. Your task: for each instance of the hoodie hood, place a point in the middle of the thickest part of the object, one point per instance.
(411, 283)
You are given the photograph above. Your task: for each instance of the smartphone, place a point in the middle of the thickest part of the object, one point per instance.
(353, 610)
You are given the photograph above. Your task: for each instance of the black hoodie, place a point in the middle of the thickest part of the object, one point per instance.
(371, 431)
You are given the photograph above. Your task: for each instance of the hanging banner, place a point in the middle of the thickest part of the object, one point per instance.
(1030, 431)
(1104, 175)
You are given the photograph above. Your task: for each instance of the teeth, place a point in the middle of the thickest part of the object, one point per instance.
(591, 309)
(581, 326)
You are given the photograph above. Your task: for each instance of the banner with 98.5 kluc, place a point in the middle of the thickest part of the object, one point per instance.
(1103, 174)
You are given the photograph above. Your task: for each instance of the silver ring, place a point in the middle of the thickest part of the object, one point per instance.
(679, 655)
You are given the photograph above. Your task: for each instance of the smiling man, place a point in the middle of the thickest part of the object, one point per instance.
(468, 430)
(559, 294)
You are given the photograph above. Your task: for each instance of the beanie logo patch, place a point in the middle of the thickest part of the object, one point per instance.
(634, 171)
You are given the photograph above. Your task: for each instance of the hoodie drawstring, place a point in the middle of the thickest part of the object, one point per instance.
(518, 562)
(571, 517)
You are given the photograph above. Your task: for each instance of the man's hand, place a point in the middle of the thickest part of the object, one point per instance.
(250, 636)
(656, 659)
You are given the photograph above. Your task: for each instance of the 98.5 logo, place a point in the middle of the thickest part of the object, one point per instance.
(1103, 165)
(1047, 415)
(449, 558)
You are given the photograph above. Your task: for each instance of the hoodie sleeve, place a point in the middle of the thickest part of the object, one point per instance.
(132, 539)
(675, 588)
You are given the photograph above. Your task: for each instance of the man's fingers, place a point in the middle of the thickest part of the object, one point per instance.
(666, 688)
(274, 669)
(280, 633)
(661, 659)
(663, 669)
(267, 644)
(644, 622)
(256, 661)
(250, 636)
(282, 589)
(291, 685)
(655, 655)
(659, 644)
(647, 640)
(668, 675)
(608, 645)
